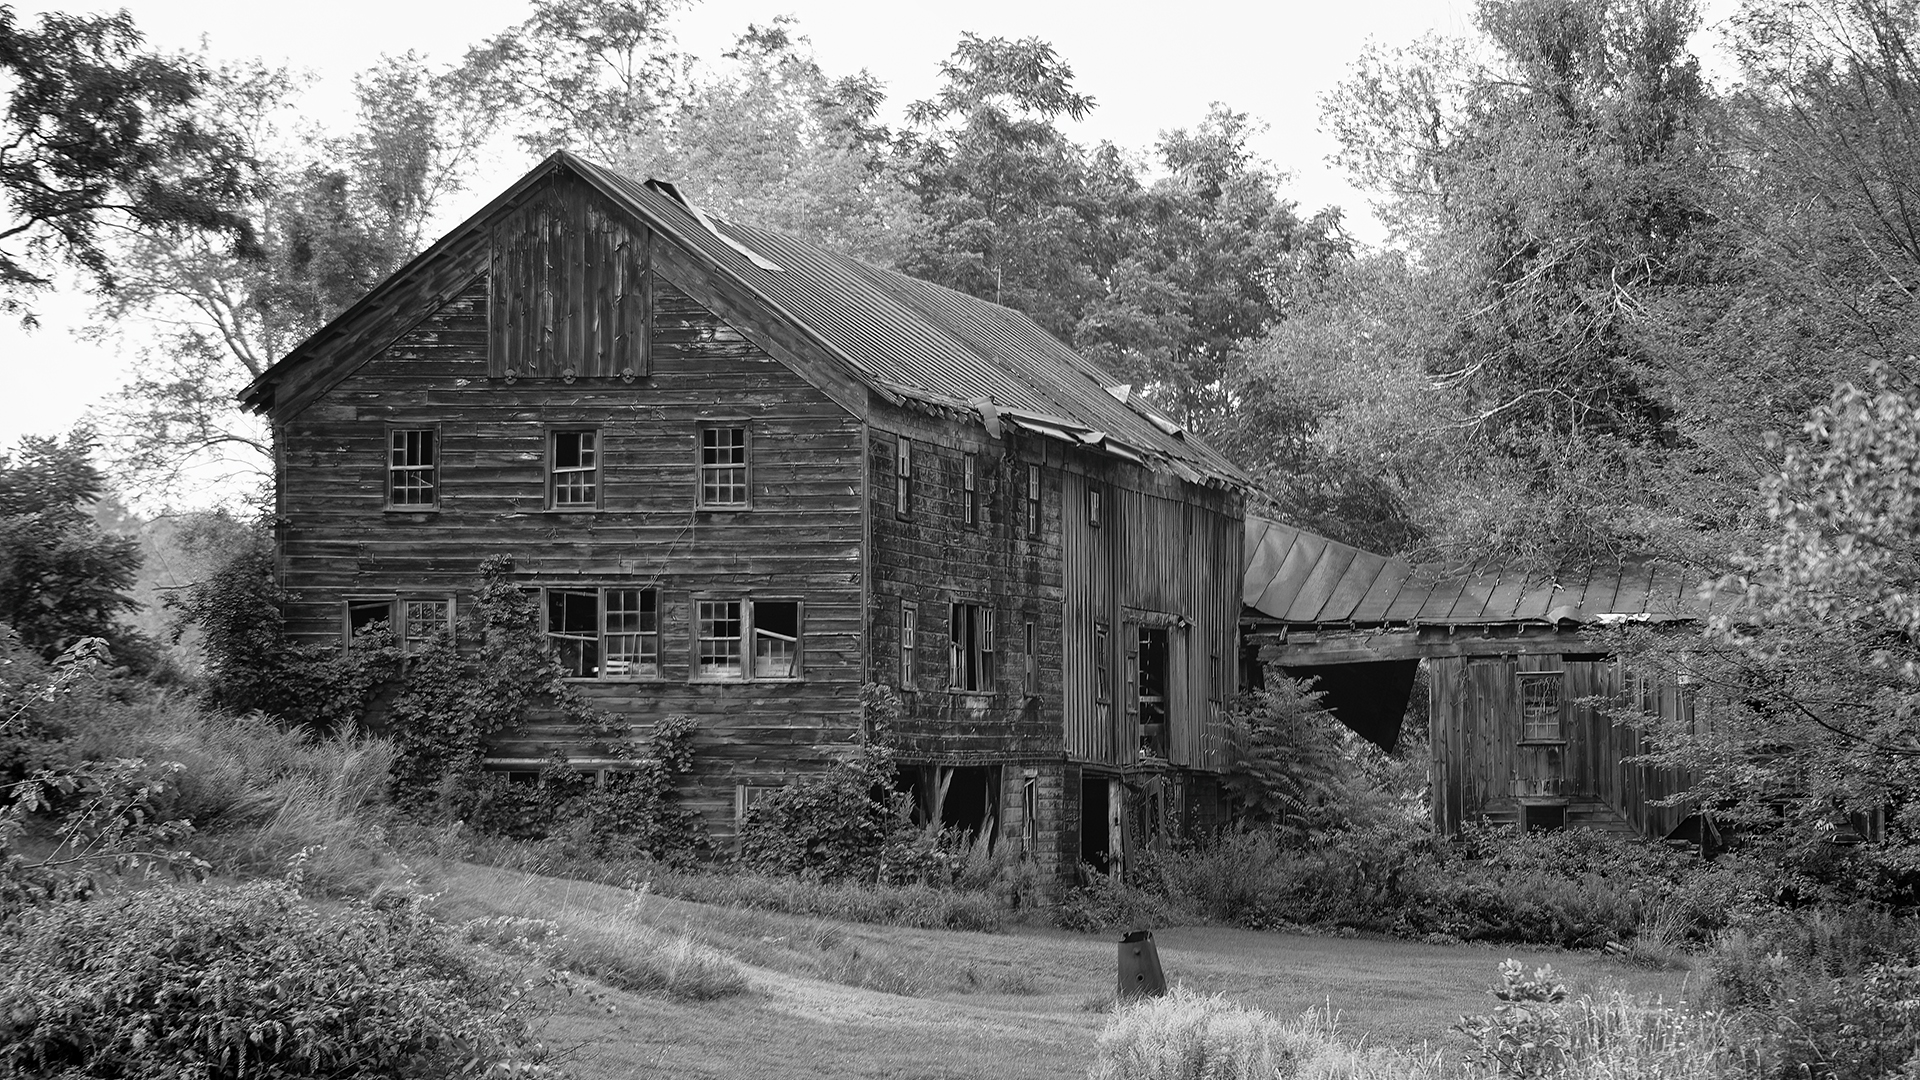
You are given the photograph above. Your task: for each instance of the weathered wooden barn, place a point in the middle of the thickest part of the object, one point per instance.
(746, 476)
(1511, 667)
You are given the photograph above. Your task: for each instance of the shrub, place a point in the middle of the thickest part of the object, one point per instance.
(246, 981)
(1185, 1036)
(835, 825)
(1108, 903)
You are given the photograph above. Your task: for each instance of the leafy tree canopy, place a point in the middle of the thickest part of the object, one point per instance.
(61, 578)
(98, 132)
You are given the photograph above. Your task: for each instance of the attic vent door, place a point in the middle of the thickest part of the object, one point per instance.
(569, 287)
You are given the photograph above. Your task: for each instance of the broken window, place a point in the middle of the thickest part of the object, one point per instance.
(970, 655)
(1093, 507)
(723, 465)
(776, 638)
(1540, 706)
(909, 629)
(1102, 683)
(610, 633)
(574, 469)
(726, 627)
(969, 483)
(903, 477)
(414, 622)
(413, 468)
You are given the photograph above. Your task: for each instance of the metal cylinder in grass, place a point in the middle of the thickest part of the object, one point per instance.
(1140, 974)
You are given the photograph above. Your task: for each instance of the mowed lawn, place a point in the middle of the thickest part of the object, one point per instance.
(834, 999)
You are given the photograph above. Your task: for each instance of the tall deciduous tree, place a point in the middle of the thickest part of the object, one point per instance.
(95, 132)
(332, 217)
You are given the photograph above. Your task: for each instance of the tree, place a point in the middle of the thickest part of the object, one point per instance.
(97, 132)
(1003, 188)
(597, 76)
(1205, 259)
(1553, 177)
(771, 140)
(61, 578)
(332, 216)
(1806, 693)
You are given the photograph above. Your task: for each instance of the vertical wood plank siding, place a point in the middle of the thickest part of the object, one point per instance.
(802, 538)
(1476, 721)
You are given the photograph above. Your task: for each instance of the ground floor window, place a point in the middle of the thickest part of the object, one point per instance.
(414, 621)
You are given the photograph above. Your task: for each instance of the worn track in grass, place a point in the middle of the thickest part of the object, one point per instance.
(1004, 1006)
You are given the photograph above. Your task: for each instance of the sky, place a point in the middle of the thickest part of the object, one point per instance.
(1150, 67)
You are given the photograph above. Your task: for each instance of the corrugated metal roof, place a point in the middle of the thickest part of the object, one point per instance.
(925, 340)
(1296, 577)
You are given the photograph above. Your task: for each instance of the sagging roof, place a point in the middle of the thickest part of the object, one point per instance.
(909, 341)
(1303, 579)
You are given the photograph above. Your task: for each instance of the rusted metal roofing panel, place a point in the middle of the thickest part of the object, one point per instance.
(1668, 596)
(1602, 586)
(1539, 596)
(1410, 601)
(1386, 588)
(1440, 601)
(1264, 554)
(1636, 583)
(1301, 559)
(1321, 583)
(1506, 595)
(1362, 573)
(1474, 598)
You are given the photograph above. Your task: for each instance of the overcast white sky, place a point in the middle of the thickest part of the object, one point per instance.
(1151, 66)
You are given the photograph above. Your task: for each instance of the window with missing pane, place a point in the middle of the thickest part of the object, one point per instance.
(574, 469)
(909, 631)
(723, 465)
(605, 633)
(1033, 500)
(776, 638)
(970, 654)
(969, 489)
(413, 468)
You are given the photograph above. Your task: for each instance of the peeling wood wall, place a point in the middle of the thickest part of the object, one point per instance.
(1478, 752)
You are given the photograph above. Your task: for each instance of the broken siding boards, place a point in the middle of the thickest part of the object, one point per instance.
(570, 282)
(801, 539)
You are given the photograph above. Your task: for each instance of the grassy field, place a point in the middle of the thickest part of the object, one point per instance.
(831, 999)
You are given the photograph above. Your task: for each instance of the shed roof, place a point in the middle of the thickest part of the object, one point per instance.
(1299, 578)
(909, 341)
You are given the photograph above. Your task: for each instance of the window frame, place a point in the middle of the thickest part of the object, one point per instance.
(972, 654)
(396, 603)
(1096, 500)
(969, 489)
(1033, 515)
(1102, 663)
(1530, 732)
(902, 477)
(747, 639)
(433, 470)
(909, 674)
(1030, 674)
(701, 465)
(600, 591)
(599, 470)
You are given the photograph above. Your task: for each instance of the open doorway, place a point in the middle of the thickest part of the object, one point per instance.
(1094, 815)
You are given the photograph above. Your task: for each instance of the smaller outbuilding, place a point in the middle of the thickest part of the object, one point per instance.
(1514, 674)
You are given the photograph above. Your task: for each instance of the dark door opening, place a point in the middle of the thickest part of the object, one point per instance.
(1093, 823)
(956, 797)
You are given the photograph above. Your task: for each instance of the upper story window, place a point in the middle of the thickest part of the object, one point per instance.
(723, 465)
(605, 633)
(1033, 500)
(903, 477)
(747, 639)
(413, 468)
(1102, 672)
(414, 621)
(1030, 676)
(573, 469)
(970, 656)
(1094, 505)
(969, 487)
(1540, 706)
